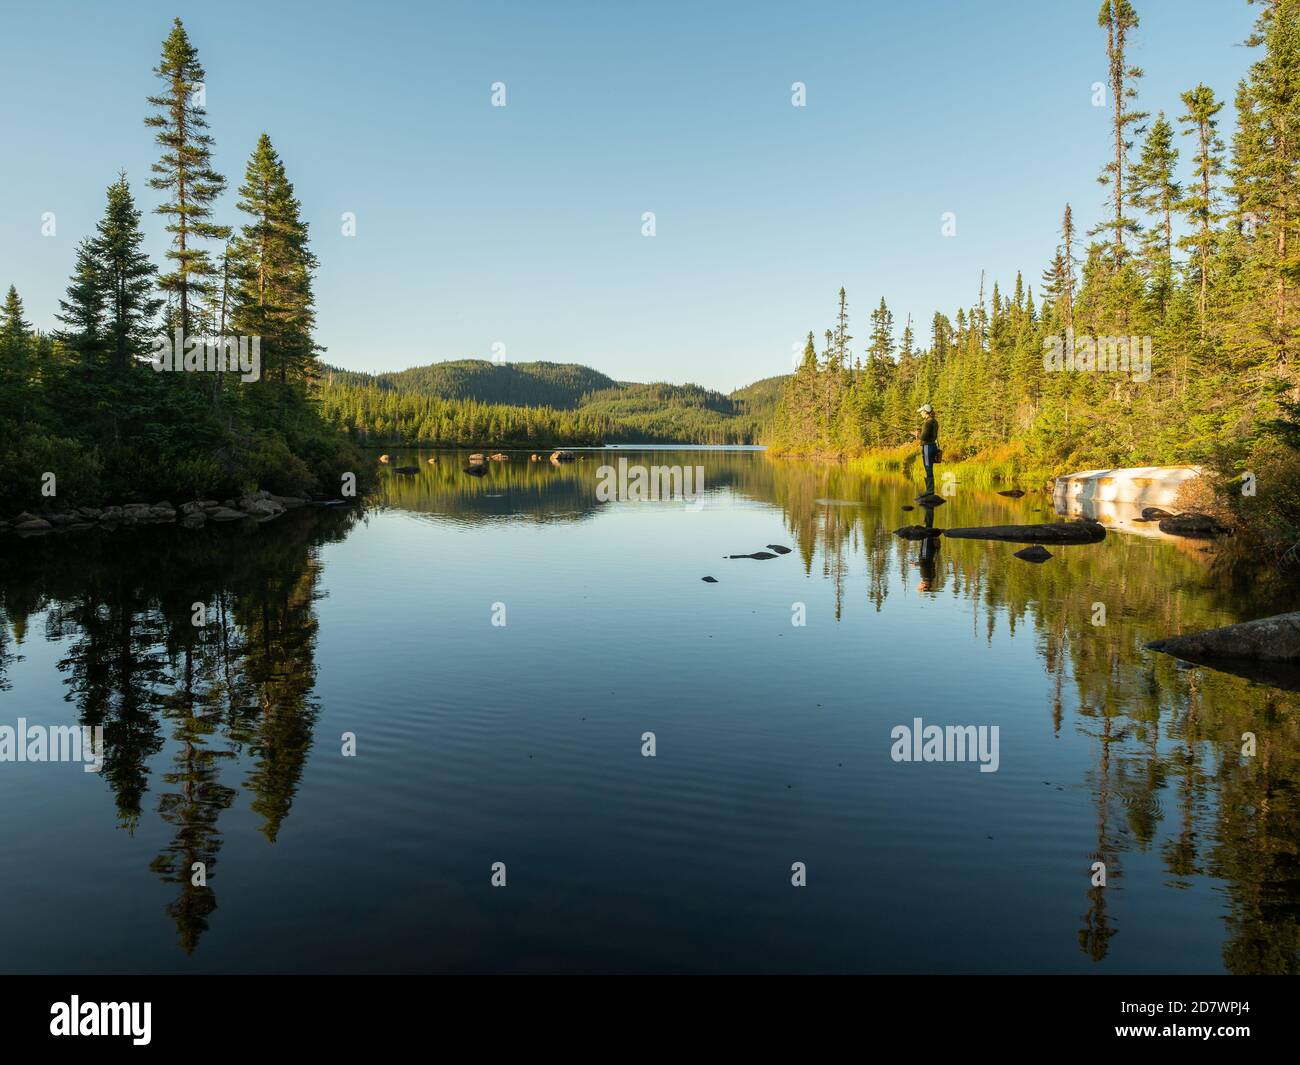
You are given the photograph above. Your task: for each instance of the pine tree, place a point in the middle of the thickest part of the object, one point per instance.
(1200, 205)
(15, 361)
(1118, 18)
(272, 267)
(1156, 191)
(185, 172)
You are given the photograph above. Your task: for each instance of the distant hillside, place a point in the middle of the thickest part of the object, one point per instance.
(518, 384)
(586, 402)
(760, 399)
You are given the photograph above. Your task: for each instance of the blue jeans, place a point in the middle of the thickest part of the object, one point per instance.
(928, 452)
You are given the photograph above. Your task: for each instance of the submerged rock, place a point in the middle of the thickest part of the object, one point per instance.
(1272, 639)
(1013, 493)
(709, 580)
(1194, 525)
(1037, 553)
(778, 549)
(1061, 532)
(918, 532)
(757, 554)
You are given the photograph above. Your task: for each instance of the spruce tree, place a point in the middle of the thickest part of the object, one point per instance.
(186, 173)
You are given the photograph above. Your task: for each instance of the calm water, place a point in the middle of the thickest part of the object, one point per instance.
(521, 743)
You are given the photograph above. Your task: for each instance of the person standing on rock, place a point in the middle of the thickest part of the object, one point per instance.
(929, 444)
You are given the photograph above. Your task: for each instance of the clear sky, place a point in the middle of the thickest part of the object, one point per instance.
(522, 225)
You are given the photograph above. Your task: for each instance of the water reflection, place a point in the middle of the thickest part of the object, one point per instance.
(197, 716)
(201, 695)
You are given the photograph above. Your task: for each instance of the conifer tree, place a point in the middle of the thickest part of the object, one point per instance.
(186, 173)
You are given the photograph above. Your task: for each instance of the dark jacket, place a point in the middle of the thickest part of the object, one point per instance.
(930, 430)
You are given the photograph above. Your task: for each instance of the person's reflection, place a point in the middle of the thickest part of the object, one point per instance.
(929, 553)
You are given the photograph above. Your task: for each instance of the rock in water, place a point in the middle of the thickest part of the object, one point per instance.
(756, 554)
(1037, 553)
(1198, 526)
(929, 499)
(918, 532)
(709, 580)
(1061, 532)
(778, 549)
(1155, 513)
(1013, 493)
(1274, 639)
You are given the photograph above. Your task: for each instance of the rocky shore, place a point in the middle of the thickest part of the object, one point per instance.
(259, 506)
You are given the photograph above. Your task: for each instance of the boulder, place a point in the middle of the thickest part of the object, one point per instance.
(25, 516)
(1154, 514)
(1036, 553)
(32, 525)
(288, 502)
(90, 513)
(929, 499)
(918, 532)
(227, 514)
(1198, 526)
(62, 519)
(1061, 532)
(1271, 639)
(562, 456)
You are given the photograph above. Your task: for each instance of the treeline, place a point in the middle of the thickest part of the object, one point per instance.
(377, 416)
(85, 417)
(1167, 333)
(450, 404)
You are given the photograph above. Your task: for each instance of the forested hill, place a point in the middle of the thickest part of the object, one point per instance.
(471, 401)
(518, 384)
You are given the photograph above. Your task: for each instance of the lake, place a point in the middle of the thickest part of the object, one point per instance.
(498, 648)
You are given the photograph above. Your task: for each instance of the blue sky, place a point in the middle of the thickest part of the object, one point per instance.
(521, 226)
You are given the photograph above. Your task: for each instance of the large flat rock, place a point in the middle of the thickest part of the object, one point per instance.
(1272, 639)
(1145, 486)
(1059, 532)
